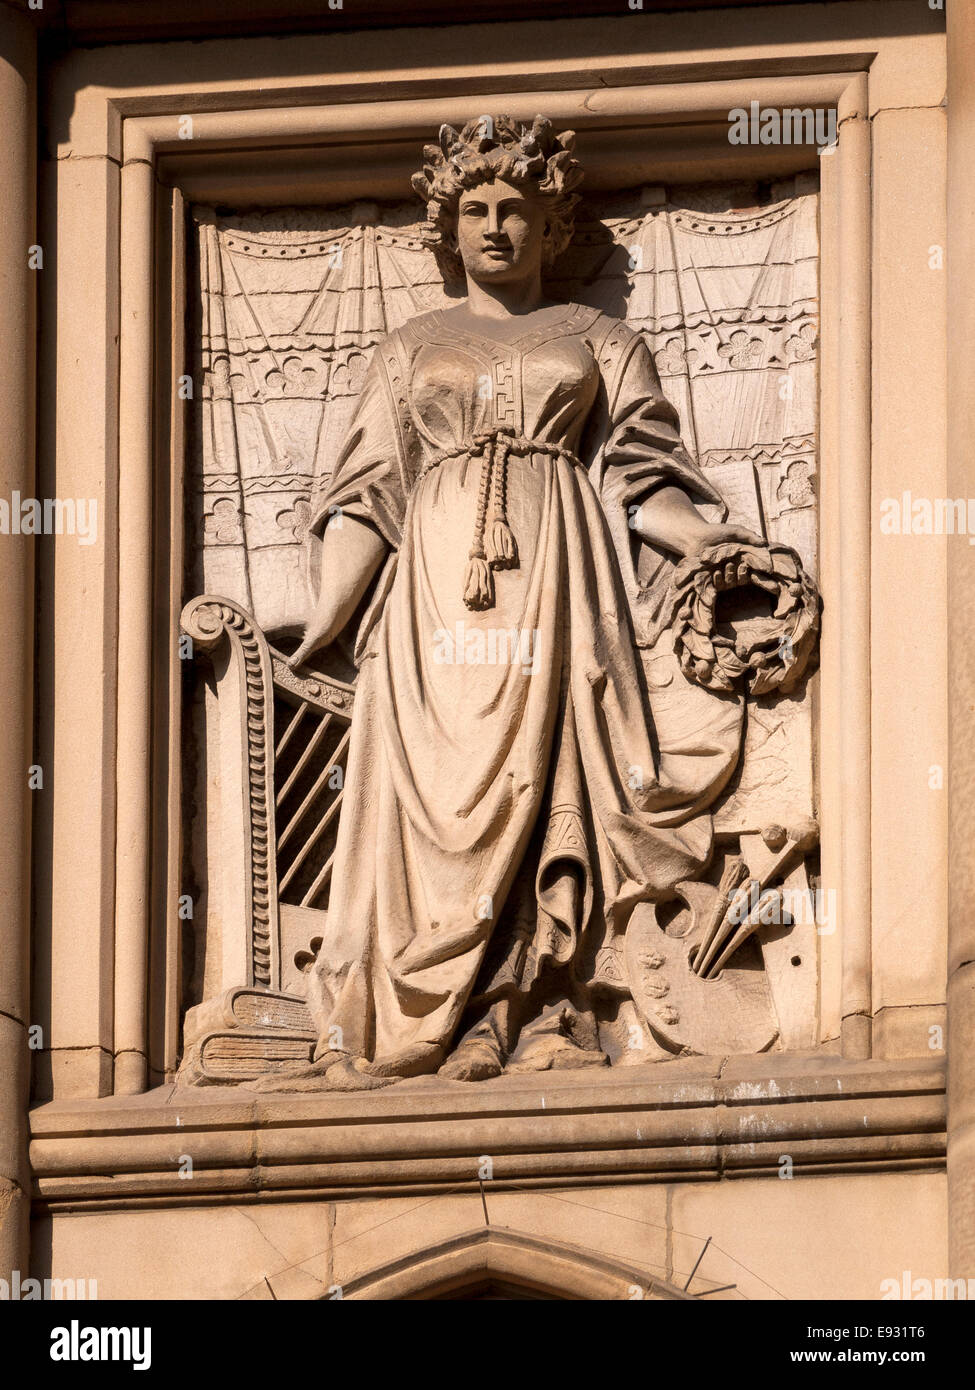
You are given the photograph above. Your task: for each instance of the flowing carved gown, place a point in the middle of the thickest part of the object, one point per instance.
(466, 776)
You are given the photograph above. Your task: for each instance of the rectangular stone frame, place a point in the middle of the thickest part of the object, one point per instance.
(112, 835)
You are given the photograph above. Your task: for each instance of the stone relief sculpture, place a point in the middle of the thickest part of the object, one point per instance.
(538, 846)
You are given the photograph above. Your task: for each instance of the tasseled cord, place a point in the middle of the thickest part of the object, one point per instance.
(502, 549)
(478, 581)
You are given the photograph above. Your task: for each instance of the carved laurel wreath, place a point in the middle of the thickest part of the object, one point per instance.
(770, 653)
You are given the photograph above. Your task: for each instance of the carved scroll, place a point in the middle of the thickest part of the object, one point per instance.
(248, 890)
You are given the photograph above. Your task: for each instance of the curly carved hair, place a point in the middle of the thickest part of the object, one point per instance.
(531, 157)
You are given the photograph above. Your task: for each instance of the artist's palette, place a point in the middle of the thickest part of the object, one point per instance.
(731, 1013)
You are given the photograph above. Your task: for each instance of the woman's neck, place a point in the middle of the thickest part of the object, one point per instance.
(504, 301)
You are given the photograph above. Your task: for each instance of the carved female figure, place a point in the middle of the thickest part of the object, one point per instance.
(516, 784)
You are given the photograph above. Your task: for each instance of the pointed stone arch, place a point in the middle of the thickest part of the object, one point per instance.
(496, 1258)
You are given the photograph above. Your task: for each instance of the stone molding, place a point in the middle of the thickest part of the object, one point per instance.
(112, 21)
(698, 1119)
(498, 1253)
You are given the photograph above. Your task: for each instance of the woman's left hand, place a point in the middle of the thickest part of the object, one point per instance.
(669, 518)
(718, 533)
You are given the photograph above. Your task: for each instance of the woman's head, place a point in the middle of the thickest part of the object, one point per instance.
(499, 196)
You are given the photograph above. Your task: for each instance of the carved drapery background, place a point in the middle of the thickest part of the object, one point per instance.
(292, 302)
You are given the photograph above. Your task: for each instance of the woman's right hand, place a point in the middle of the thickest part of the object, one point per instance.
(311, 642)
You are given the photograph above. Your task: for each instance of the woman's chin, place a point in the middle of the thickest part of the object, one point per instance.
(501, 269)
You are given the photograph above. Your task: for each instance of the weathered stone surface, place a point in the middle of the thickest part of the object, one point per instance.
(248, 860)
(486, 871)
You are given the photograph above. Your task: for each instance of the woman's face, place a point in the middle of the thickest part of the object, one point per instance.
(500, 233)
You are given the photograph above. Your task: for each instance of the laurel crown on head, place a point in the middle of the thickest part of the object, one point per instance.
(531, 157)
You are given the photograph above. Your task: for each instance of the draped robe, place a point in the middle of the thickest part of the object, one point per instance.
(569, 768)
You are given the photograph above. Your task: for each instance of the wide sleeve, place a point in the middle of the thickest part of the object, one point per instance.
(637, 449)
(371, 480)
(642, 449)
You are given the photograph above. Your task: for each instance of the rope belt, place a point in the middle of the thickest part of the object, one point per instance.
(494, 547)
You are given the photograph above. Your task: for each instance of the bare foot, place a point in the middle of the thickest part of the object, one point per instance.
(419, 1060)
(473, 1061)
(556, 1053)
